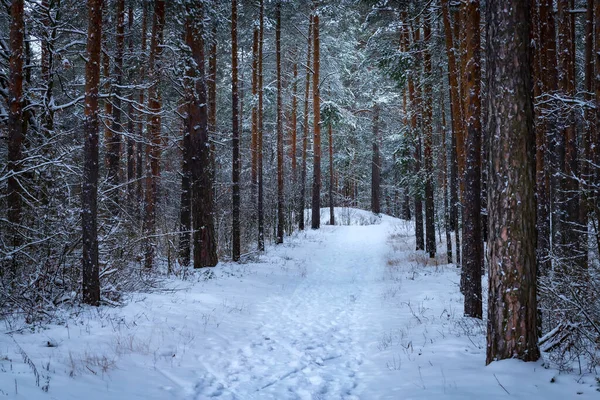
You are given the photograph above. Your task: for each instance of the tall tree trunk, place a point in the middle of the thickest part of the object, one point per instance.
(89, 193)
(107, 87)
(294, 124)
(305, 127)
(16, 134)
(454, 201)
(331, 176)
(212, 92)
(316, 187)
(589, 144)
(571, 253)
(114, 146)
(259, 138)
(455, 108)
(512, 310)
(280, 199)
(376, 164)
(596, 153)
(444, 166)
(140, 148)
(254, 137)
(415, 105)
(47, 60)
(428, 143)
(235, 121)
(205, 247)
(472, 241)
(131, 115)
(547, 190)
(185, 212)
(153, 150)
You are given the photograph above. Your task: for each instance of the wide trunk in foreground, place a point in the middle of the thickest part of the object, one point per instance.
(512, 306)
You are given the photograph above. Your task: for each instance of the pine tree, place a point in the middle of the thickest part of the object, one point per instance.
(305, 126)
(316, 187)
(512, 308)
(472, 240)
(280, 187)
(89, 192)
(235, 120)
(153, 149)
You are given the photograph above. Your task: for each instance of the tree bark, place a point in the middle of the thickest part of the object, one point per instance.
(16, 134)
(512, 308)
(316, 187)
(89, 193)
(140, 148)
(131, 116)
(280, 187)
(570, 245)
(254, 138)
(430, 245)
(414, 130)
(472, 241)
(205, 247)
(376, 164)
(235, 121)
(331, 178)
(153, 150)
(305, 127)
(113, 148)
(259, 141)
(444, 166)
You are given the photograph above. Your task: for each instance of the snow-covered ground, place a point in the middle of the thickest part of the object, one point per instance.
(347, 312)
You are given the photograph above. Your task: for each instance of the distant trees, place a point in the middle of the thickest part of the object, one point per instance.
(140, 167)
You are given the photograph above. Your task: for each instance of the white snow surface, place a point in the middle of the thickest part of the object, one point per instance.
(345, 312)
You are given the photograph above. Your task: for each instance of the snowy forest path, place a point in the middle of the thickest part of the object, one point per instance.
(306, 341)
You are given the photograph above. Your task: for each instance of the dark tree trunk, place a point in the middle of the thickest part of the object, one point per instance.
(589, 143)
(331, 180)
(254, 137)
(305, 127)
(570, 245)
(280, 199)
(376, 164)
(235, 121)
(16, 134)
(185, 212)
(444, 166)
(472, 241)
(454, 202)
(131, 115)
(316, 187)
(140, 148)
(259, 138)
(415, 104)
(550, 144)
(89, 193)
(113, 148)
(428, 143)
(153, 150)
(205, 248)
(512, 310)
(596, 153)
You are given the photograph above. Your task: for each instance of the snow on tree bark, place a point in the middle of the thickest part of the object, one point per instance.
(89, 192)
(472, 240)
(512, 305)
